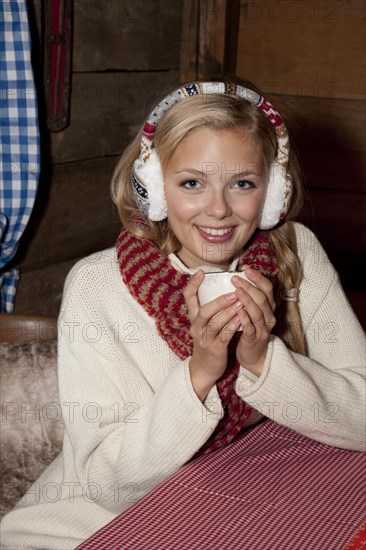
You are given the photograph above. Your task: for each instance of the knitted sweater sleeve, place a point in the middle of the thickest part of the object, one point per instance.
(322, 395)
(131, 418)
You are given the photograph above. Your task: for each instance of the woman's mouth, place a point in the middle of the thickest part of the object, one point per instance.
(216, 234)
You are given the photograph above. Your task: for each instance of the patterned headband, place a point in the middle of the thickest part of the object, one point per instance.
(146, 174)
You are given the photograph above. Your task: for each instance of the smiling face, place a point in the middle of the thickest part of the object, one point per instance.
(215, 184)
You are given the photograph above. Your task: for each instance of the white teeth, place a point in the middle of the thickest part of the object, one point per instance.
(216, 232)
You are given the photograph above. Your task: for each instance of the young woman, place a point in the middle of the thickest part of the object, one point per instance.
(148, 377)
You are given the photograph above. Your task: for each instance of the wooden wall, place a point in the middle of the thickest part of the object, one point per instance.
(124, 55)
(308, 57)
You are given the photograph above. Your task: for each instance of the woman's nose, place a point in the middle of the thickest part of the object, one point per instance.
(218, 205)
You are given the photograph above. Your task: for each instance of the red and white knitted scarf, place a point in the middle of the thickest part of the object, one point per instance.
(158, 286)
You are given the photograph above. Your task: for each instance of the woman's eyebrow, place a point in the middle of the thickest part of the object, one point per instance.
(234, 174)
(193, 170)
(246, 173)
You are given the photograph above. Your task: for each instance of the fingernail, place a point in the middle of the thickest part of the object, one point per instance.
(237, 305)
(231, 297)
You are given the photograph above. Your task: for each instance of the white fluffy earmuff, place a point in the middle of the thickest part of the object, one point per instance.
(273, 207)
(150, 174)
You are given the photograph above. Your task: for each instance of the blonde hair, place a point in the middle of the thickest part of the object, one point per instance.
(221, 113)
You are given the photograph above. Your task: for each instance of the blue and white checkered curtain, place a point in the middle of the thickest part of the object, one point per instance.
(19, 140)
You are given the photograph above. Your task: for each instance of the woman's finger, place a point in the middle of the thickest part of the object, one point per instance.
(260, 314)
(250, 330)
(256, 303)
(204, 314)
(254, 311)
(261, 283)
(226, 322)
(263, 301)
(191, 296)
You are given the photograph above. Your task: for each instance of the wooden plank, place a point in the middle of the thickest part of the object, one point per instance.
(330, 137)
(231, 37)
(74, 216)
(105, 111)
(339, 220)
(338, 124)
(313, 48)
(336, 172)
(127, 35)
(211, 40)
(190, 33)
(39, 292)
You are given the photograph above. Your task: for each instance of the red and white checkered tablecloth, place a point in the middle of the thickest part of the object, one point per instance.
(270, 489)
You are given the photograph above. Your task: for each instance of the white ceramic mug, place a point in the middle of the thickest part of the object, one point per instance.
(217, 284)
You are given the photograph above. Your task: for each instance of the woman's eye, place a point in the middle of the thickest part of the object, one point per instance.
(190, 184)
(244, 184)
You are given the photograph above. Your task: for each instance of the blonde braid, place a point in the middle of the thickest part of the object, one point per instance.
(289, 325)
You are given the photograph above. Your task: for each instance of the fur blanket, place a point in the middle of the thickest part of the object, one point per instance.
(31, 422)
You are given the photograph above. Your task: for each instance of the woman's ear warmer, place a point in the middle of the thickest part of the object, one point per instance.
(149, 176)
(147, 179)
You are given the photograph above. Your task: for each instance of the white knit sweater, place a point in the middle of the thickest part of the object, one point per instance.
(132, 416)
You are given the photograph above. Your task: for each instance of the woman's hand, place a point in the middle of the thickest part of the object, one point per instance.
(256, 318)
(212, 327)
